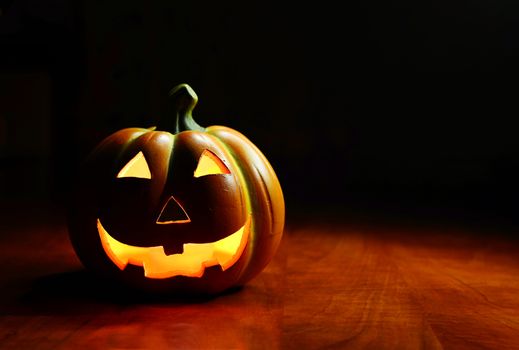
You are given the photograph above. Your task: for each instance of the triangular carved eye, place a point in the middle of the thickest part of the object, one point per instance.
(136, 167)
(172, 213)
(210, 164)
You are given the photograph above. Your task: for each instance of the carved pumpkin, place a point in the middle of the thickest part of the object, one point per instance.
(197, 210)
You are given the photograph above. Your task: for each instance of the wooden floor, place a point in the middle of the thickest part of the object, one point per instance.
(331, 285)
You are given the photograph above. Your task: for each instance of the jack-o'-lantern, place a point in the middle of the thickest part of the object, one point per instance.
(192, 210)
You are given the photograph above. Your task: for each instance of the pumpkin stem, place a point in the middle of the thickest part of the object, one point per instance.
(184, 101)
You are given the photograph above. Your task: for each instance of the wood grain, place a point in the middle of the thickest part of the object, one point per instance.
(401, 290)
(338, 286)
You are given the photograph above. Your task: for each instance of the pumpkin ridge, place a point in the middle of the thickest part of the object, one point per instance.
(247, 194)
(272, 173)
(267, 195)
(263, 192)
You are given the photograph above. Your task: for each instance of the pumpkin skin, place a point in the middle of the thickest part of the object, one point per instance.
(245, 198)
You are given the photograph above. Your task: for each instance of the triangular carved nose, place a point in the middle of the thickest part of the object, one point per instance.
(172, 213)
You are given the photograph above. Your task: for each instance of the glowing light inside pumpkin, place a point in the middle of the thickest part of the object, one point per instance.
(173, 213)
(210, 164)
(192, 262)
(136, 167)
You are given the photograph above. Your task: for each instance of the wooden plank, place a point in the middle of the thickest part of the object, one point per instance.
(330, 286)
(49, 302)
(351, 295)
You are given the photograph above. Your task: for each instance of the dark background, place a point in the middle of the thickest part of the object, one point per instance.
(396, 108)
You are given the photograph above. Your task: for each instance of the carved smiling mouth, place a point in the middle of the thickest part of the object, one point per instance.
(191, 262)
